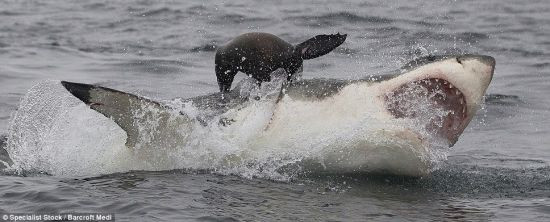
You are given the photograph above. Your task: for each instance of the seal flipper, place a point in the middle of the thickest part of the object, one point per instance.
(133, 114)
(319, 45)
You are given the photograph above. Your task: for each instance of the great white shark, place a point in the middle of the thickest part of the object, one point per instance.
(430, 100)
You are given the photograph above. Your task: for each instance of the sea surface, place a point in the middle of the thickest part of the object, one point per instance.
(498, 170)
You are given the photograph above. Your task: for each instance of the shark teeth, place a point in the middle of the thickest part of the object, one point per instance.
(411, 100)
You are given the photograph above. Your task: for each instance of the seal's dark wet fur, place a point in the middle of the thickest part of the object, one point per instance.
(258, 54)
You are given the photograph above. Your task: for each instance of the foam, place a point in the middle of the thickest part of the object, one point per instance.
(55, 133)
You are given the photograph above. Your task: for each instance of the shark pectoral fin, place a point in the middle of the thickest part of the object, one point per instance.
(144, 121)
(319, 45)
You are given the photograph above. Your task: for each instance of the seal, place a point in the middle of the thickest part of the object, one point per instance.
(258, 54)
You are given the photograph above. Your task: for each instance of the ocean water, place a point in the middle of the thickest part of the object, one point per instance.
(497, 171)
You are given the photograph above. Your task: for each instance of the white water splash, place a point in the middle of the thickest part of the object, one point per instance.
(55, 133)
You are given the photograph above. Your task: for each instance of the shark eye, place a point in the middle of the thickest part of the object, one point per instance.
(458, 60)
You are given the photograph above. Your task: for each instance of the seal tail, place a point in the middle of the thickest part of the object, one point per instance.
(319, 45)
(132, 113)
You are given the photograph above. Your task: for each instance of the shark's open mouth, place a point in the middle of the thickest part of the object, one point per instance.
(433, 101)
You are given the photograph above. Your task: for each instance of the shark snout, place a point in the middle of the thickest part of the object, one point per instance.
(484, 65)
(487, 60)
